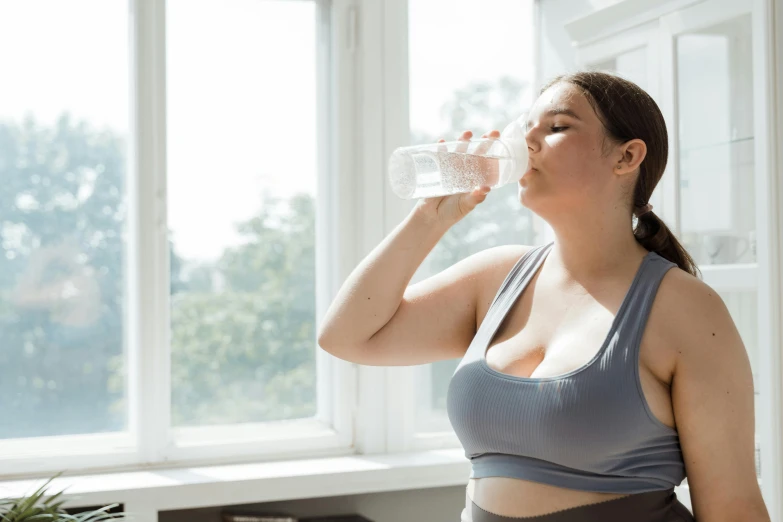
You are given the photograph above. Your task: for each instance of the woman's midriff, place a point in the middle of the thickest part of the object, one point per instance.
(512, 497)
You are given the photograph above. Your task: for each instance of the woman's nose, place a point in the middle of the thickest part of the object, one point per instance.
(533, 144)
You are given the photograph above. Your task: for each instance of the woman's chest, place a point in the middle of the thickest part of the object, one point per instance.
(547, 336)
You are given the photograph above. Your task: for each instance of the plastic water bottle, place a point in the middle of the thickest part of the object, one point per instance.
(440, 169)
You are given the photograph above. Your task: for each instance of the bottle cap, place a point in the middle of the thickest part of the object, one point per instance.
(513, 136)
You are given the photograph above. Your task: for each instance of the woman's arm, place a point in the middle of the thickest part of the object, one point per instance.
(376, 319)
(713, 400)
(372, 293)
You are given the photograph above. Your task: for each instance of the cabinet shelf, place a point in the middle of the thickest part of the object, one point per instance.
(716, 145)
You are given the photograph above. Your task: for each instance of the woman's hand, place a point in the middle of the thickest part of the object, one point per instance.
(448, 210)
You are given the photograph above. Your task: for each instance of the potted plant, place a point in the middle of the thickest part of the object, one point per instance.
(34, 508)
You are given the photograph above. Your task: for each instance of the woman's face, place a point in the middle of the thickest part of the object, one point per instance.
(567, 169)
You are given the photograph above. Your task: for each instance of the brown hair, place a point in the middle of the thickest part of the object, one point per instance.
(628, 112)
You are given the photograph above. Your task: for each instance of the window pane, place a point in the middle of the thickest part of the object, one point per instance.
(455, 86)
(715, 134)
(241, 187)
(63, 134)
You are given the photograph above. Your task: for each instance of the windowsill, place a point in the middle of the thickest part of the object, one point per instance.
(197, 487)
(149, 492)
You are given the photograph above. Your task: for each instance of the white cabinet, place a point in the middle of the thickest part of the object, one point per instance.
(710, 72)
(706, 63)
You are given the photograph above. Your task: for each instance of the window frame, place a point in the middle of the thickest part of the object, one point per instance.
(372, 408)
(150, 441)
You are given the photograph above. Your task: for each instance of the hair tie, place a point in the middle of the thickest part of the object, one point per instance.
(640, 211)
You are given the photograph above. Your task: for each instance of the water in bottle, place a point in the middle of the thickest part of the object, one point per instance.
(439, 169)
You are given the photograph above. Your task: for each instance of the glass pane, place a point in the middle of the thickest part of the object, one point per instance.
(63, 134)
(241, 211)
(743, 306)
(478, 88)
(715, 134)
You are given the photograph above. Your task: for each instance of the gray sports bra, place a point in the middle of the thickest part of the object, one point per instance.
(590, 429)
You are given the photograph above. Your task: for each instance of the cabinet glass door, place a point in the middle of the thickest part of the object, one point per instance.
(711, 75)
(714, 92)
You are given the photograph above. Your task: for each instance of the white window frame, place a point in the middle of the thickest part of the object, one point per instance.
(372, 408)
(150, 442)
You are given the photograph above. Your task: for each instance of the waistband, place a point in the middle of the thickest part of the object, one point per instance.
(652, 506)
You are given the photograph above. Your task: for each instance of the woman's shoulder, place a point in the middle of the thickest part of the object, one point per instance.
(680, 291)
(499, 260)
(690, 308)
(504, 254)
(496, 263)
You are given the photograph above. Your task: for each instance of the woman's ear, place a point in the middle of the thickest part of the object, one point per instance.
(631, 155)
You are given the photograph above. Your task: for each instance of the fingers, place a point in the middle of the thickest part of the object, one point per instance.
(464, 140)
(478, 194)
(483, 147)
(442, 148)
(482, 190)
(469, 201)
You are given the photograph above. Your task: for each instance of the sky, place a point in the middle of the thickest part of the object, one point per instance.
(241, 88)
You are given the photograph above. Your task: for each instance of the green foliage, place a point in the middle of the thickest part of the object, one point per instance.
(242, 326)
(63, 182)
(37, 508)
(245, 351)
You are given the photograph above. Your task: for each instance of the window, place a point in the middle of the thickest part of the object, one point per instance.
(461, 80)
(63, 153)
(232, 132)
(241, 184)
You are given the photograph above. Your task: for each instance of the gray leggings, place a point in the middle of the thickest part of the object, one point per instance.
(653, 506)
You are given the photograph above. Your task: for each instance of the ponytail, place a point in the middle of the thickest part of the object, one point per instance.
(653, 234)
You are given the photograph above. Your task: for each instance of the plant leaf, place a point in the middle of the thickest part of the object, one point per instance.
(34, 508)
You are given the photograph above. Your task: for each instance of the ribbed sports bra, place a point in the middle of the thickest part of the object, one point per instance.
(590, 429)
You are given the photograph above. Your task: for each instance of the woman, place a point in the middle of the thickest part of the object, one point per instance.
(597, 371)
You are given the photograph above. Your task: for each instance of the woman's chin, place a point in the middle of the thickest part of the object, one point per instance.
(526, 194)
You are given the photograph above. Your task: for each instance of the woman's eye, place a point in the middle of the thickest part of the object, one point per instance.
(558, 129)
